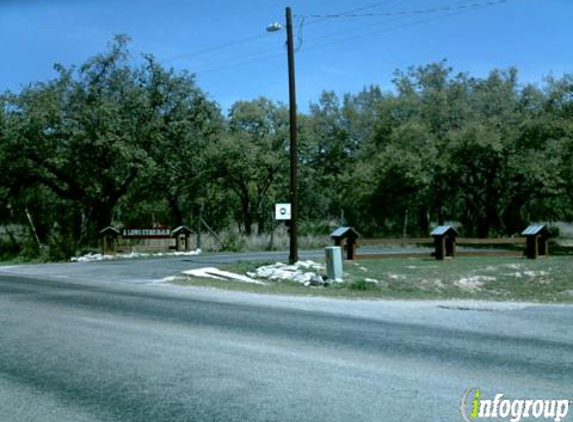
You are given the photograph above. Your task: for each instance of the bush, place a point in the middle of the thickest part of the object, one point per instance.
(60, 248)
(8, 249)
(553, 231)
(232, 241)
(362, 285)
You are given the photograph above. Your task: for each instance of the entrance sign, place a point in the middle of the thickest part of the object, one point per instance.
(282, 212)
(146, 233)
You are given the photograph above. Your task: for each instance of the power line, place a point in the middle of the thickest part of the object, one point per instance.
(456, 11)
(433, 10)
(393, 19)
(385, 30)
(370, 6)
(214, 48)
(361, 29)
(227, 61)
(233, 65)
(226, 65)
(256, 37)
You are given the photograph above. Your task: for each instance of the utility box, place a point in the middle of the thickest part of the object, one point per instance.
(346, 237)
(537, 239)
(334, 263)
(444, 241)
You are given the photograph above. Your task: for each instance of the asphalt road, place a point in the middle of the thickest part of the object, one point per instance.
(108, 342)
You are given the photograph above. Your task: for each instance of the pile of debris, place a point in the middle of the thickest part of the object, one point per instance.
(215, 273)
(91, 257)
(307, 273)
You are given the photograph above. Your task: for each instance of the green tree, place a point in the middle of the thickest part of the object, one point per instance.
(184, 123)
(84, 135)
(252, 158)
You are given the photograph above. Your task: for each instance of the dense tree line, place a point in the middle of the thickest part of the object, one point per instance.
(133, 143)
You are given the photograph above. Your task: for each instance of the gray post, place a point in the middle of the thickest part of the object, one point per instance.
(334, 262)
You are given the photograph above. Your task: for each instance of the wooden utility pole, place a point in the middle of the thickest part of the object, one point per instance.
(293, 254)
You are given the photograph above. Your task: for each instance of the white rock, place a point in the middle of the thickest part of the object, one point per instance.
(297, 272)
(133, 255)
(212, 272)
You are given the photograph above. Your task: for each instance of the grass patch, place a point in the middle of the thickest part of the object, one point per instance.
(19, 260)
(547, 280)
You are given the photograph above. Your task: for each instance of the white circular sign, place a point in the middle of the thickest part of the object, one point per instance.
(282, 212)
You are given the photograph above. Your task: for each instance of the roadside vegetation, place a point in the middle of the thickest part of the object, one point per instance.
(547, 280)
(123, 140)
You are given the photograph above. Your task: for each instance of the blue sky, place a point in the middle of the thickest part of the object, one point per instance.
(234, 58)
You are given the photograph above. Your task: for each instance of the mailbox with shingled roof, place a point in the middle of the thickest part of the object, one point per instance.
(346, 237)
(181, 235)
(444, 241)
(109, 237)
(537, 239)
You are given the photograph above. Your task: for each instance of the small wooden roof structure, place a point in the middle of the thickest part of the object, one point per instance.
(536, 230)
(537, 241)
(108, 240)
(346, 237)
(181, 230)
(444, 241)
(444, 230)
(109, 231)
(344, 232)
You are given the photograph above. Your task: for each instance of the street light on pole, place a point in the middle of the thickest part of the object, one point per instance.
(293, 250)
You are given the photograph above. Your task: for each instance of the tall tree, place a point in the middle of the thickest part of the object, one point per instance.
(252, 158)
(184, 122)
(84, 135)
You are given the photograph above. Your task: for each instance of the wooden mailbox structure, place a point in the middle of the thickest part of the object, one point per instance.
(346, 237)
(536, 241)
(109, 237)
(182, 236)
(444, 241)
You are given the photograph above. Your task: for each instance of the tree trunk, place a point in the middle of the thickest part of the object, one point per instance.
(102, 215)
(247, 215)
(483, 228)
(405, 224)
(261, 222)
(441, 217)
(33, 229)
(424, 221)
(175, 210)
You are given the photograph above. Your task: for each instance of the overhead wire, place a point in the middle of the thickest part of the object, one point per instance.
(225, 62)
(306, 20)
(299, 34)
(370, 6)
(228, 63)
(232, 65)
(215, 66)
(378, 23)
(214, 48)
(456, 11)
(394, 18)
(361, 29)
(469, 5)
(381, 31)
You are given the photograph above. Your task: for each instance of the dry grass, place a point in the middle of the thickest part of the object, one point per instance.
(232, 240)
(547, 280)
